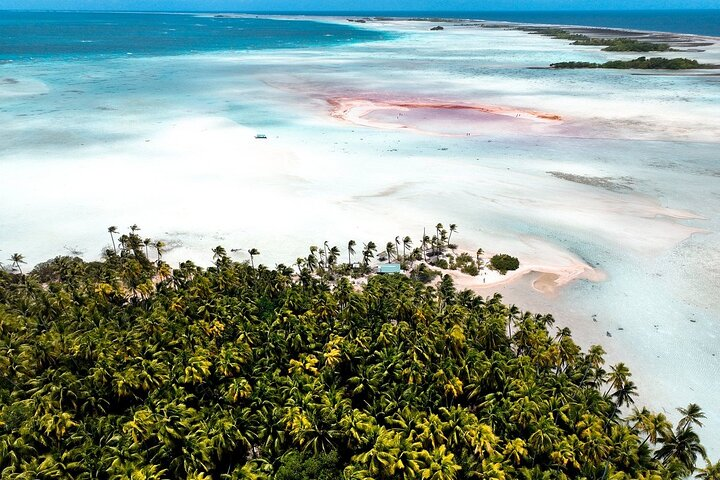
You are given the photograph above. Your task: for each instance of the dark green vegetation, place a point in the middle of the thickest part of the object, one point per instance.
(639, 63)
(128, 369)
(610, 44)
(630, 45)
(502, 263)
(466, 264)
(618, 45)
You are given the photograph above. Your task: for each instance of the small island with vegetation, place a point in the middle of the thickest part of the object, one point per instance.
(611, 44)
(641, 63)
(127, 368)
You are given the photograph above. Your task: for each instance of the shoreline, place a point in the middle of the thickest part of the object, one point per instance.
(552, 277)
(549, 282)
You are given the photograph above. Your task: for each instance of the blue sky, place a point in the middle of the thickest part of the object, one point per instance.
(362, 5)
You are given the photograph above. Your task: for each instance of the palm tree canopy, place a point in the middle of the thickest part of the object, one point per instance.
(132, 369)
(692, 414)
(682, 446)
(711, 471)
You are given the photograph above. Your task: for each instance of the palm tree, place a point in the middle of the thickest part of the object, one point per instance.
(397, 245)
(325, 249)
(123, 242)
(389, 249)
(147, 242)
(323, 258)
(453, 228)
(438, 228)
(368, 252)
(423, 245)
(112, 231)
(655, 426)
(252, 252)
(441, 465)
(299, 262)
(159, 248)
(407, 243)
(595, 356)
(624, 394)
(17, 259)
(618, 376)
(514, 315)
(544, 435)
(333, 255)
(351, 251)
(134, 228)
(710, 472)
(311, 262)
(219, 254)
(691, 414)
(682, 446)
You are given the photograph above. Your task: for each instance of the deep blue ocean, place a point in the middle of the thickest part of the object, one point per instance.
(62, 34)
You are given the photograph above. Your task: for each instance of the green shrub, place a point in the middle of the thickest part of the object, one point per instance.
(630, 45)
(503, 262)
(467, 264)
(441, 263)
(470, 269)
(641, 63)
(464, 258)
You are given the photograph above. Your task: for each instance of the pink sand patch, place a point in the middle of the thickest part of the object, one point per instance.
(445, 119)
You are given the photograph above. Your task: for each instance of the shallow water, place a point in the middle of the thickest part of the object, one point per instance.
(166, 141)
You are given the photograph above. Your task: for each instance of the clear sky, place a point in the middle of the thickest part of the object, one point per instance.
(361, 5)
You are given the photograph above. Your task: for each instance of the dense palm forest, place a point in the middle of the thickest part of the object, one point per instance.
(128, 369)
